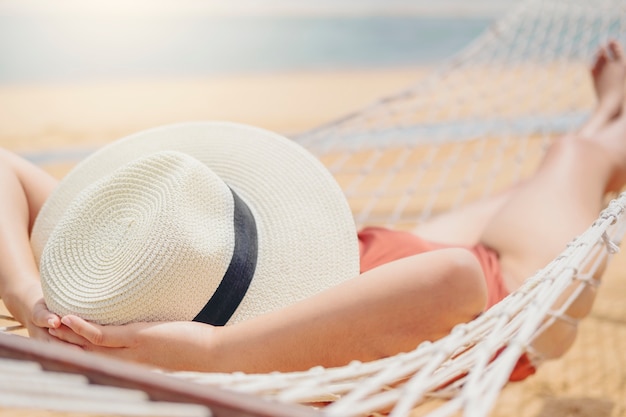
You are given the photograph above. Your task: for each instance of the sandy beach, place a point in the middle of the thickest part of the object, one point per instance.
(34, 119)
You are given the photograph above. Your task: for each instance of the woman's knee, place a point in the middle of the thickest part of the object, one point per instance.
(576, 149)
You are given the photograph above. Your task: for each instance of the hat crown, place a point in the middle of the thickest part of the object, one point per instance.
(164, 221)
(294, 234)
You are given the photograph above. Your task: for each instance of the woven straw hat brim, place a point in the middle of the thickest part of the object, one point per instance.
(306, 233)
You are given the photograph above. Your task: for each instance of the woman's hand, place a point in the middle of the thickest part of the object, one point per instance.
(27, 305)
(41, 321)
(171, 345)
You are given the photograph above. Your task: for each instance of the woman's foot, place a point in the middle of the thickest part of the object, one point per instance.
(608, 74)
(612, 137)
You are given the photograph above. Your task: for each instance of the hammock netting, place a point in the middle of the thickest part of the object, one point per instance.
(477, 124)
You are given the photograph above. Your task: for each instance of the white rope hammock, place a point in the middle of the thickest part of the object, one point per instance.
(476, 125)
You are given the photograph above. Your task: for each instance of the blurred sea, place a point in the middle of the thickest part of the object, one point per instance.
(36, 48)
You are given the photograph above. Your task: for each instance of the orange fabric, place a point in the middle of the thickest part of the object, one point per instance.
(523, 369)
(378, 246)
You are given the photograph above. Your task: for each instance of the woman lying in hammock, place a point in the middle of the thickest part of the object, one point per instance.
(410, 288)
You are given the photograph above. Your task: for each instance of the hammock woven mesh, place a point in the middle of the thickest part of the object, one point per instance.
(451, 139)
(479, 123)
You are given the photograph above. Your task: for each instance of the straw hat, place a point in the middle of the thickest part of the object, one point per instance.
(211, 221)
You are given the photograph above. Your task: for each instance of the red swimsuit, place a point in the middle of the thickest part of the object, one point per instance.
(379, 246)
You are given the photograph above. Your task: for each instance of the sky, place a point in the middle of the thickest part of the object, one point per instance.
(460, 8)
(43, 40)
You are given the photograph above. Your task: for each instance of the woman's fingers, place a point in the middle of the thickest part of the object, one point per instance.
(91, 332)
(96, 334)
(42, 317)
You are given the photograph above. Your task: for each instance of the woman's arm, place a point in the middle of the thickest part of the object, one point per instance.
(388, 310)
(24, 190)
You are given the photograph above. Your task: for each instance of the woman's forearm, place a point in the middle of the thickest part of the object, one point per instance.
(24, 189)
(385, 311)
(17, 271)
